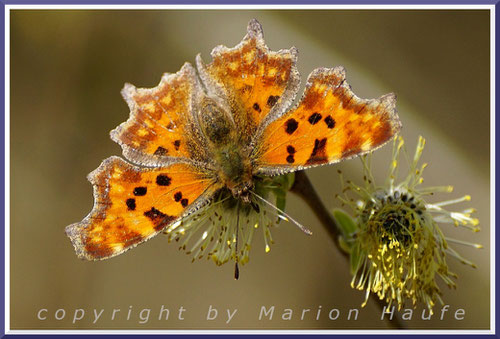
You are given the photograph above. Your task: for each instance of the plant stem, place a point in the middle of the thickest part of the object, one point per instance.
(303, 187)
(305, 190)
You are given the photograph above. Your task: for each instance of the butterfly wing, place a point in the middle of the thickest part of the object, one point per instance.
(133, 204)
(256, 83)
(160, 127)
(329, 124)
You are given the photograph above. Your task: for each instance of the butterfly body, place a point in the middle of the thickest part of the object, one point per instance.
(215, 131)
(235, 171)
(226, 148)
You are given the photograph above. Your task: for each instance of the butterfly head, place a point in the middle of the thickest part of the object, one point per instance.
(242, 191)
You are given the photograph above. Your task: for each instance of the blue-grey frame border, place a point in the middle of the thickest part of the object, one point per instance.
(3, 3)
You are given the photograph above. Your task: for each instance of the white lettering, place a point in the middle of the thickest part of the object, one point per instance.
(287, 314)
(356, 312)
(444, 309)
(144, 319)
(330, 314)
(163, 309)
(460, 312)
(266, 312)
(210, 311)
(96, 316)
(407, 314)
(319, 311)
(181, 309)
(60, 311)
(230, 316)
(77, 315)
(129, 312)
(304, 311)
(384, 312)
(39, 315)
(424, 317)
(116, 310)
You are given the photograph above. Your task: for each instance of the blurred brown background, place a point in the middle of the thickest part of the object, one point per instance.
(67, 70)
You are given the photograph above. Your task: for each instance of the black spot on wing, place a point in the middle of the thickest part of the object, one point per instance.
(257, 107)
(161, 151)
(178, 196)
(318, 154)
(154, 214)
(158, 218)
(163, 180)
(140, 191)
(330, 122)
(291, 126)
(130, 204)
(272, 100)
(314, 118)
(184, 202)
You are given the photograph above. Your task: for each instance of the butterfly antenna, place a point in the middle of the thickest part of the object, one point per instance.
(236, 268)
(283, 215)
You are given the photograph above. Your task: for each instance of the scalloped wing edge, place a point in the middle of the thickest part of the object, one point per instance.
(76, 231)
(128, 92)
(254, 31)
(388, 100)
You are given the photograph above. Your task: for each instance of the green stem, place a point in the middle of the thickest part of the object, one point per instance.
(305, 190)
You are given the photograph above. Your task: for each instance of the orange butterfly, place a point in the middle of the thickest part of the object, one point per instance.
(206, 140)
